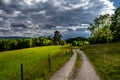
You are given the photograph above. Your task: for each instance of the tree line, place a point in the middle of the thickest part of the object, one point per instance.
(12, 44)
(106, 28)
(20, 43)
(78, 41)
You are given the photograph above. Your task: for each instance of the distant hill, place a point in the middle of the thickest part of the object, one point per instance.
(70, 40)
(13, 37)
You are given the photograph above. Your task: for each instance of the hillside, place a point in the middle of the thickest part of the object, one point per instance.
(70, 40)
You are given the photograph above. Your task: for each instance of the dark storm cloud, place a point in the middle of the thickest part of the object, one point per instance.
(19, 25)
(11, 7)
(4, 31)
(47, 14)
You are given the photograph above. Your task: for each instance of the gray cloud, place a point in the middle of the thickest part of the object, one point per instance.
(76, 33)
(42, 17)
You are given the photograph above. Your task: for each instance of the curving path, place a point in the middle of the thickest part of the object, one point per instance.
(64, 72)
(86, 72)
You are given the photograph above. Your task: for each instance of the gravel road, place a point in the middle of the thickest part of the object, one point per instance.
(86, 72)
(64, 72)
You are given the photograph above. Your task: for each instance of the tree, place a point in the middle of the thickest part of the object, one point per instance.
(12, 44)
(100, 23)
(30, 43)
(62, 42)
(1, 45)
(100, 29)
(74, 43)
(115, 27)
(57, 38)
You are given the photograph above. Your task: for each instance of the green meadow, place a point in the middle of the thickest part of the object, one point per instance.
(106, 59)
(35, 62)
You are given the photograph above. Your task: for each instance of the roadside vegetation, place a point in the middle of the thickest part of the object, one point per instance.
(35, 62)
(105, 58)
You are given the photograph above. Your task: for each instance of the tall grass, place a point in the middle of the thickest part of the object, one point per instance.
(35, 62)
(106, 59)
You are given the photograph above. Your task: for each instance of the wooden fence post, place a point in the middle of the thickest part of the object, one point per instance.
(21, 71)
(49, 62)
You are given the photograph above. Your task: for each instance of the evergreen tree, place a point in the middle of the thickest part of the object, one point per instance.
(57, 38)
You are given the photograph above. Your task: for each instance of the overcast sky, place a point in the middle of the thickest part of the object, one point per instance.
(33, 18)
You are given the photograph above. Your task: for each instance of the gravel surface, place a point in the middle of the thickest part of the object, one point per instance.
(64, 72)
(86, 72)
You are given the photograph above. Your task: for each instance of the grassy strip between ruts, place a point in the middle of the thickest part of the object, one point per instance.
(35, 62)
(105, 58)
(76, 68)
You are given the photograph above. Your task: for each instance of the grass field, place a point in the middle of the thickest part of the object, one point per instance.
(106, 59)
(35, 62)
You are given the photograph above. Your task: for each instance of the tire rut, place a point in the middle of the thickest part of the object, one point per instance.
(64, 72)
(86, 72)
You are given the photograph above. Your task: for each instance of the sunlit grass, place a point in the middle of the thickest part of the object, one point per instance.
(34, 60)
(106, 59)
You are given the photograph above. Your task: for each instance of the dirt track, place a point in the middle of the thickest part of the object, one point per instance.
(86, 72)
(64, 72)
